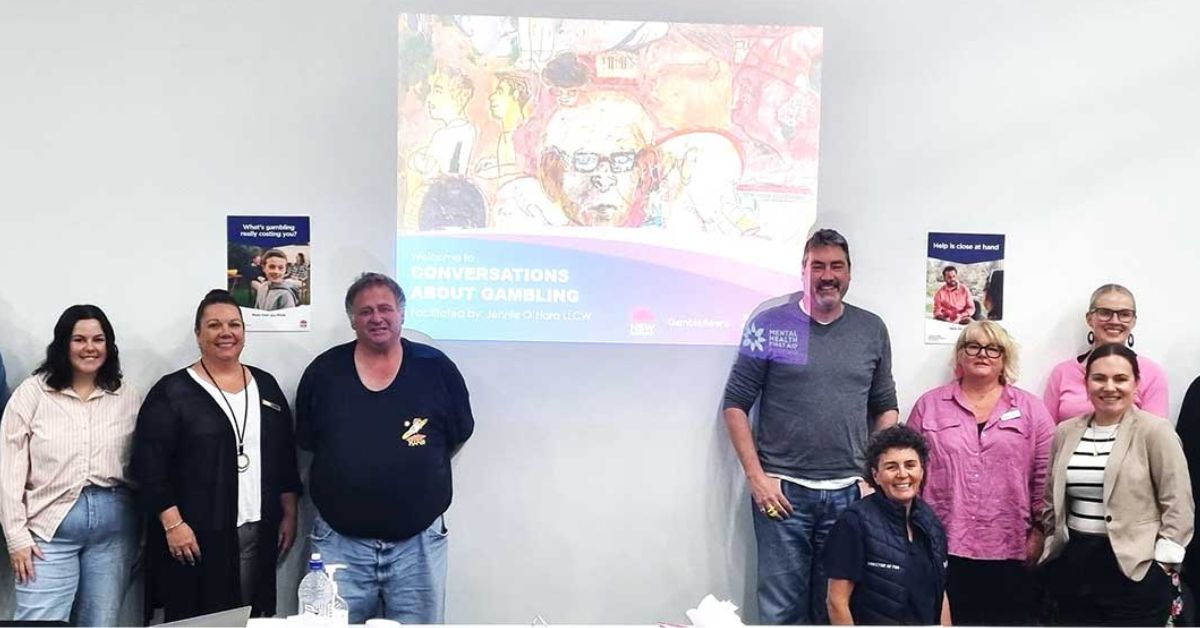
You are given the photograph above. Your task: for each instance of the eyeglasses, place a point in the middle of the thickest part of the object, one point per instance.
(1105, 314)
(583, 161)
(973, 349)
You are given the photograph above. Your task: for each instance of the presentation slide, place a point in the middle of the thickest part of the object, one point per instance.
(576, 180)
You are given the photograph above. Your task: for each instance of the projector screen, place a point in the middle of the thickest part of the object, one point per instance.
(602, 181)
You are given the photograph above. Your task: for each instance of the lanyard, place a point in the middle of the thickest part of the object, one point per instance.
(243, 460)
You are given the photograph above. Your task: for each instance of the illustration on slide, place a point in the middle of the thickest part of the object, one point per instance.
(532, 124)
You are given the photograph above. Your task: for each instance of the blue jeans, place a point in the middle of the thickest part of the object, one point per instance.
(88, 562)
(791, 569)
(407, 577)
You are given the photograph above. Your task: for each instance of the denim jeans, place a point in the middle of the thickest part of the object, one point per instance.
(791, 569)
(88, 562)
(407, 577)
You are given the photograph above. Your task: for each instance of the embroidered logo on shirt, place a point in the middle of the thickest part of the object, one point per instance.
(892, 566)
(413, 435)
(753, 338)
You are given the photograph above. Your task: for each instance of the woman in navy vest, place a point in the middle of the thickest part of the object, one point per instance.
(886, 556)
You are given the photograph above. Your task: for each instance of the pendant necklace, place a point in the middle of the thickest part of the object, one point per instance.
(243, 460)
(1111, 435)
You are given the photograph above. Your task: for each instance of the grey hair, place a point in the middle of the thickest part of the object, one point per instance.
(370, 280)
(826, 237)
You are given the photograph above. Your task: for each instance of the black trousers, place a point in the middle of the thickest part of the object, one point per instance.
(989, 592)
(1089, 589)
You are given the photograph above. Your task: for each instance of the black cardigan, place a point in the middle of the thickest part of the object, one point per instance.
(185, 455)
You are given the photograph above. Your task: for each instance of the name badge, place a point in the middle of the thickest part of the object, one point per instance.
(1010, 415)
(272, 406)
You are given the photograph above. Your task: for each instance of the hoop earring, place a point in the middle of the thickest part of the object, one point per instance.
(1091, 338)
(1129, 341)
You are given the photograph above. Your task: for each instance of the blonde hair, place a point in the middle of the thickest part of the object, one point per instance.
(1107, 288)
(995, 335)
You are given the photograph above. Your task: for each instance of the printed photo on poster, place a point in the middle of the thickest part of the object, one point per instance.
(964, 281)
(269, 269)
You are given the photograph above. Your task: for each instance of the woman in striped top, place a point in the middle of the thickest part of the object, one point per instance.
(68, 516)
(1119, 503)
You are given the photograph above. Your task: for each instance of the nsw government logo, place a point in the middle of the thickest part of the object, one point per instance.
(641, 322)
(753, 338)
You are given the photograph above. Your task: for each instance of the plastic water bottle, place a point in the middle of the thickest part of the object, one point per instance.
(339, 611)
(316, 590)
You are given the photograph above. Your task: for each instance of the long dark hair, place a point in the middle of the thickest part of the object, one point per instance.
(57, 367)
(994, 290)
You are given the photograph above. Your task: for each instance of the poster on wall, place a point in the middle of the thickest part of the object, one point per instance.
(964, 281)
(269, 269)
(601, 180)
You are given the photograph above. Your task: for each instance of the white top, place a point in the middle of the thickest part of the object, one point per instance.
(1085, 480)
(250, 480)
(835, 484)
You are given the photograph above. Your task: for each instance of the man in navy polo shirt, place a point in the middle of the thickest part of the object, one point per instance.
(383, 416)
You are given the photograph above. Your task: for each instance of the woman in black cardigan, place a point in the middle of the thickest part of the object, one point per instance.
(216, 461)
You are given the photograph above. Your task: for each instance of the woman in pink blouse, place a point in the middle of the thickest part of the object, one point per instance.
(989, 444)
(1111, 317)
(69, 517)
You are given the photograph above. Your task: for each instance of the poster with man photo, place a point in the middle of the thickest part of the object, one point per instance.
(964, 281)
(268, 267)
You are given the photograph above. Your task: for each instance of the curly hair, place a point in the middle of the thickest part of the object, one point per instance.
(895, 437)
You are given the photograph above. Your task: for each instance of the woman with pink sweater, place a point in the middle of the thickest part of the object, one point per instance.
(1111, 316)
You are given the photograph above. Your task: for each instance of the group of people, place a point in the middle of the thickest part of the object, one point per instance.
(953, 517)
(206, 464)
(990, 505)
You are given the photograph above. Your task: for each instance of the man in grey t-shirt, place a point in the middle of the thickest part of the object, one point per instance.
(821, 372)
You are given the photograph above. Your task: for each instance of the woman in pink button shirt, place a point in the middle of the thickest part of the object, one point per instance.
(989, 445)
(1111, 317)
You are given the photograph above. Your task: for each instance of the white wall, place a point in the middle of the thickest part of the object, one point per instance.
(599, 486)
